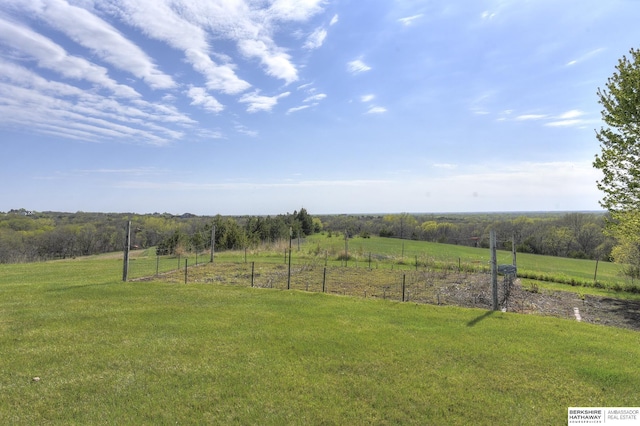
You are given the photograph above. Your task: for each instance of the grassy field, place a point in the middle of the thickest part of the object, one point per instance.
(543, 268)
(108, 352)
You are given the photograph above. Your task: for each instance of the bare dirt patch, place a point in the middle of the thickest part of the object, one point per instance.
(424, 286)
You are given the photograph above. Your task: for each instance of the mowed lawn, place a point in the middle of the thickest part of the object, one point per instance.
(108, 352)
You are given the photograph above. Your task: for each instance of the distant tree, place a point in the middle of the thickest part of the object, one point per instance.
(305, 220)
(619, 160)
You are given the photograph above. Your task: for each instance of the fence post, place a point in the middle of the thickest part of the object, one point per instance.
(324, 279)
(494, 270)
(186, 267)
(346, 248)
(253, 265)
(127, 246)
(289, 271)
(369, 260)
(404, 277)
(213, 242)
(157, 263)
(416, 262)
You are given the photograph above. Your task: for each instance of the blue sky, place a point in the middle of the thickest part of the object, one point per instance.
(266, 106)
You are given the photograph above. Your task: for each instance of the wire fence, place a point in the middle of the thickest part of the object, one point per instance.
(452, 284)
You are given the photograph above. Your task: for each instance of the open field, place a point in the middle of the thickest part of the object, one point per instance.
(548, 268)
(389, 253)
(159, 352)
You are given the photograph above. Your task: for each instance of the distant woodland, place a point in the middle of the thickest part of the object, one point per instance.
(27, 236)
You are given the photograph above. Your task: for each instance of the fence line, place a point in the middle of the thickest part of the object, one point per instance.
(421, 284)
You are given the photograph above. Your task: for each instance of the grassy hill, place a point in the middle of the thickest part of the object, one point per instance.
(153, 352)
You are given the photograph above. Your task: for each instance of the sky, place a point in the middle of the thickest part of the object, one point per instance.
(255, 107)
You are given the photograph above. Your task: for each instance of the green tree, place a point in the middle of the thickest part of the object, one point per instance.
(619, 160)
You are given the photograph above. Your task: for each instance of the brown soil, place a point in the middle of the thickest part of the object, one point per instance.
(591, 309)
(431, 287)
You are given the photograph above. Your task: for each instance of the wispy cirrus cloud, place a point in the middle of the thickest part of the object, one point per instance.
(54, 57)
(60, 109)
(585, 56)
(100, 37)
(357, 66)
(244, 130)
(315, 39)
(316, 98)
(410, 20)
(376, 110)
(572, 118)
(159, 21)
(298, 108)
(530, 117)
(258, 102)
(276, 61)
(200, 97)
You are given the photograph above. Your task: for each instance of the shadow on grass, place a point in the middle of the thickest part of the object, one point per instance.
(627, 310)
(480, 318)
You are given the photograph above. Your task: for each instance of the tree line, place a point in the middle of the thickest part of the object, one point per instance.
(33, 236)
(27, 236)
(576, 235)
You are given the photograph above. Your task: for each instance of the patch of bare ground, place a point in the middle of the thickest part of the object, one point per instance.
(442, 287)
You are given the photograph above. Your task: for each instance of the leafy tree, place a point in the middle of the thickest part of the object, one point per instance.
(306, 221)
(620, 157)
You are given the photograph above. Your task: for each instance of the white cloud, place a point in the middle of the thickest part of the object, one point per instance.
(261, 103)
(527, 117)
(410, 20)
(300, 108)
(568, 119)
(367, 98)
(564, 123)
(200, 97)
(334, 20)
(574, 113)
(50, 107)
(315, 39)
(585, 57)
(245, 131)
(487, 15)
(357, 66)
(294, 10)
(52, 56)
(315, 98)
(275, 60)
(101, 38)
(159, 21)
(376, 110)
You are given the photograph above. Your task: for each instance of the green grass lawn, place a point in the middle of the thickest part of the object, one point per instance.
(109, 352)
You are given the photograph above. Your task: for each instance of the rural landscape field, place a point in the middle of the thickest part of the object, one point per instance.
(194, 341)
(319, 212)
